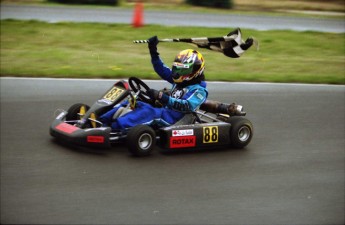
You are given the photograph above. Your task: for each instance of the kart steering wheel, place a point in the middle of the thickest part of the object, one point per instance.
(138, 85)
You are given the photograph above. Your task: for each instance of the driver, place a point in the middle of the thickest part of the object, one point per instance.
(187, 94)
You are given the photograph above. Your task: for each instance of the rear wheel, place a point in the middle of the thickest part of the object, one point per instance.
(241, 131)
(77, 111)
(141, 140)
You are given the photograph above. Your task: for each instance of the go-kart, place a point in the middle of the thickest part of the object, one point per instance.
(200, 129)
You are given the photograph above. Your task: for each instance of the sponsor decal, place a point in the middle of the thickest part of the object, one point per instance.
(176, 133)
(106, 101)
(183, 142)
(67, 128)
(200, 96)
(95, 139)
(178, 93)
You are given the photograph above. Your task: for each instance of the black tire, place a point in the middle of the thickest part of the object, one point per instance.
(241, 131)
(141, 140)
(73, 111)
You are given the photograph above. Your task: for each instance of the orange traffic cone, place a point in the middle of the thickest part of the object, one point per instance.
(138, 15)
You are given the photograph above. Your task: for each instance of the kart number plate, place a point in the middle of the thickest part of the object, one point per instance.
(113, 94)
(210, 134)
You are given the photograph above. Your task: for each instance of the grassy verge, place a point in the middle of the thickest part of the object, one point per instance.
(88, 50)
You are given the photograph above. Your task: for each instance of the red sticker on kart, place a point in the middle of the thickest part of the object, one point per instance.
(67, 128)
(95, 139)
(182, 142)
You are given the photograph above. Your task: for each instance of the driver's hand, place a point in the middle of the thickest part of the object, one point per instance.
(153, 42)
(158, 95)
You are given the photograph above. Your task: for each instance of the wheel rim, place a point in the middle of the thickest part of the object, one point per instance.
(145, 141)
(244, 133)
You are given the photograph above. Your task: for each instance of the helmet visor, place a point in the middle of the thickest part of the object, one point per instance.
(181, 69)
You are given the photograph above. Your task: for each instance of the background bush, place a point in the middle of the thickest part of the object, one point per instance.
(212, 3)
(95, 2)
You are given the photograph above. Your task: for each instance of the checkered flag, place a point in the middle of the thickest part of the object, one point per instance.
(230, 45)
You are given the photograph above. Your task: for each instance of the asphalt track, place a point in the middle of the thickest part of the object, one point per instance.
(171, 18)
(291, 173)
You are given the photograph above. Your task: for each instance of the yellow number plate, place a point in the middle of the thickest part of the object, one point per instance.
(113, 94)
(210, 134)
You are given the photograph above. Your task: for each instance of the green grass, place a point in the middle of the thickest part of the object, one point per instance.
(90, 50)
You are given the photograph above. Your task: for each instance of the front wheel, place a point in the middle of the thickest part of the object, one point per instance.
(241, 131)
(141, 140)
(77, 111)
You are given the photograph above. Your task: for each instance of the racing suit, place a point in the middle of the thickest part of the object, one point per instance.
(183, 99)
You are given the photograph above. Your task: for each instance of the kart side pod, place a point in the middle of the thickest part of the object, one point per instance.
(197, 136)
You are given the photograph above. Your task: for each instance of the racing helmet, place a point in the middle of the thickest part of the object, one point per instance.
(188, 65)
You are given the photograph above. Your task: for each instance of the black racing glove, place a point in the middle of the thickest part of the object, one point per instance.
(159, 96)
(153, 42)
(247, 44)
